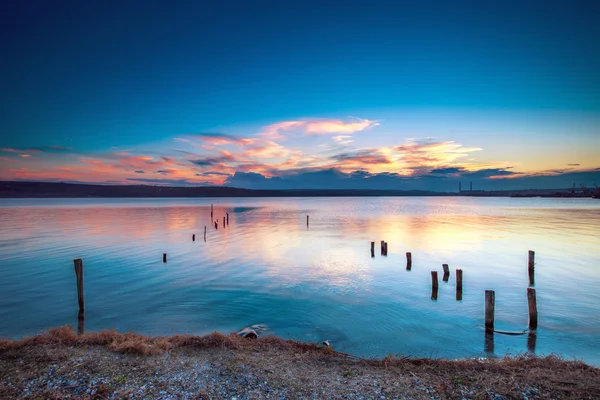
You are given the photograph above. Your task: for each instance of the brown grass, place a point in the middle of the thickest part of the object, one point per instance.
(306, 367)
(134, 343)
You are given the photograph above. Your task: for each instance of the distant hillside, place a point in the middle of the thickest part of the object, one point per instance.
(75, 190)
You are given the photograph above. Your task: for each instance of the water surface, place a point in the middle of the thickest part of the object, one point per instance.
(315, 283)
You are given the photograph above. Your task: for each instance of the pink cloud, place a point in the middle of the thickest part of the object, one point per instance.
(317, 127)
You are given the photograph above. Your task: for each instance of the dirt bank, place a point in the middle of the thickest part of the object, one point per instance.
(109, 365)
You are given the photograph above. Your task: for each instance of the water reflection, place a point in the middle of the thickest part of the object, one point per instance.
(308, 277)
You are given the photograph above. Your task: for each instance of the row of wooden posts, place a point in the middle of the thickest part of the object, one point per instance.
(489, 294)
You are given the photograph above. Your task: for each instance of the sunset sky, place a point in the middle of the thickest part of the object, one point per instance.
(301, 94)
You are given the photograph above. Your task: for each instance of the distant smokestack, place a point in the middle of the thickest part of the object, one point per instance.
(459, 187)
(471, 184)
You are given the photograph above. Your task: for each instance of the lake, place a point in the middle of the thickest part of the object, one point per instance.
(310, 283)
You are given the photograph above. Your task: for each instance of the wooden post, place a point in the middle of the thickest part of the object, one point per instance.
(408, 260)
(79, 275)
(490, 299)
(205, 233)
(532, 302)
(216, 225)
(385, 248)
(227, 218)
(382, 247)
(223, 222)
(307, 220)
(372, 249)
(531, 267)
(164, 257)
(434, 285)
(446, 272)
(194, 237)
(459, 284)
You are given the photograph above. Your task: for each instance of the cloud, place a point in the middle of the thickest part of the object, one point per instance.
(139, 172)
(169, 182)
(444, 171)
(40, 149)
(487, 179)
(320, 126)
(213, 173)
(343, 139)
(573, 165)
(362, 157)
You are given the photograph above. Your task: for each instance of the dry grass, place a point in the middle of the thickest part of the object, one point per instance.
(134, 343)
(300, 368)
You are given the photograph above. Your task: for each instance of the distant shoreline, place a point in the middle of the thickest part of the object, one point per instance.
(74, 190)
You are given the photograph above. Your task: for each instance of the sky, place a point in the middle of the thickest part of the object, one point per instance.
(301, 94)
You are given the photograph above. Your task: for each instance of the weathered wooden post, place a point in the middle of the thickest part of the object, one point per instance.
(446, 272)
(205, 233)
(459, 280)
(372, 249)
(216, 225)
(211, 211)
(434, 285)
(408, 260)
(382, 247)
(532, 303)
(490, 299)
(385, 248)
(164, 257)
(227, 218)
(79, 275)
(531, 267)
(194, 237)
(307, 220)
(223, 222)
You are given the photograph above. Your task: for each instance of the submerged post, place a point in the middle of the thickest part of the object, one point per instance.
(382, 247)
(446, 272)
(205, 233)
(532, 303)
(307, 220)
(531, 267)
(194, 237)
(385, 248)
(79, 275)
(408, 260)
(227, 218)
(459, 284)
(434, 285)
(372, 249)
(216, 225)
(223, 222)
(164, 257)
(490, 299)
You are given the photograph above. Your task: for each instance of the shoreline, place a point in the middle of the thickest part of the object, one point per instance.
(108, 365)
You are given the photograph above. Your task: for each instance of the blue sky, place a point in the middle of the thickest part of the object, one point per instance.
(107, 81)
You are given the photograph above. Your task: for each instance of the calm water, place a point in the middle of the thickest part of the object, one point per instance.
(312, 284)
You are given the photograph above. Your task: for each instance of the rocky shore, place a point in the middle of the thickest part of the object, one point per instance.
(108, 365)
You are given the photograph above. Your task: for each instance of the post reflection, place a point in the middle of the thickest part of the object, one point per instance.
(531, 342)
(489, 343)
